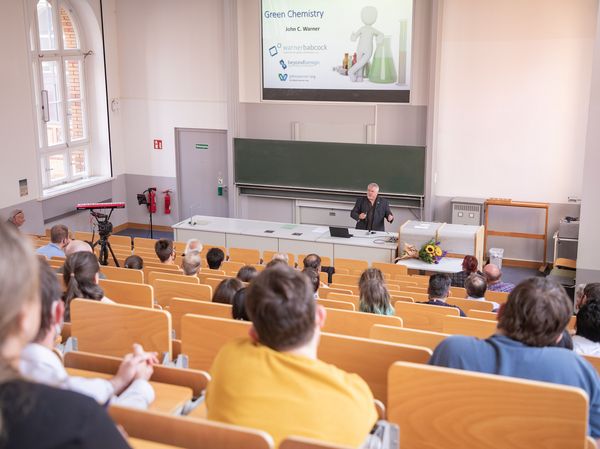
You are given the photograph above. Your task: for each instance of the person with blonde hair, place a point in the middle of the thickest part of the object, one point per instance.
(36, 415)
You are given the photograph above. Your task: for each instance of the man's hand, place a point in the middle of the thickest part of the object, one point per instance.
(134, 366)
(362, 216)
(390, 218)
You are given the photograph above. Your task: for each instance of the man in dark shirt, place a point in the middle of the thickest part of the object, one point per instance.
(438, 290)
(370, 211)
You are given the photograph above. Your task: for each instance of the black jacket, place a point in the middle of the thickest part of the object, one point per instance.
(381, 212)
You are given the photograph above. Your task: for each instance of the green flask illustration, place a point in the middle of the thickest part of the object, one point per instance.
(382, 68)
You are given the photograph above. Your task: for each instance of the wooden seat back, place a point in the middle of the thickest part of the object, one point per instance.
(213, 282)
(394, 298)
(307, 443)
(423, 316)
(187, 433)
(346, 279)
(153, 276)
(194, 379)
(594, 360)
(470, 304)
(162, 267)
(123, 240)
(165, 290)
(357, 324)
(122, 274)
(144, 243)
(244, 255)
(413, 278)
(325, 261)
(267, 256)
(390, 268)
(499, 297)
(473, 327)
(474, 410)
(417, 297)
(112, 329)
(354, 299)
(406, 336)
(182, 306)
(231, 267)
(352, 288)
(325, 292)
(129, 293)
(83, 235)
(350, 264)
(333, 304)
(483, 315)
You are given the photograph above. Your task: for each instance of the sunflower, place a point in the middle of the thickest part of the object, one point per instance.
(430, 249)
(438, 251)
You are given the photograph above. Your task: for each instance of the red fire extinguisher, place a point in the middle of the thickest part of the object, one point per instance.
(167, 201)
(152, 200)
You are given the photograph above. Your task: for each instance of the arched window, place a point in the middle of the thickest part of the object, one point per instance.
(58, 57)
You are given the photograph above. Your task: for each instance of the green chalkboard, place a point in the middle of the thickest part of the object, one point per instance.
(333, 166)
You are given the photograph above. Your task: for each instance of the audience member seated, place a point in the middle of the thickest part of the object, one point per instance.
(247, 273)
(439, 290)
(586, 340)
(312, 261)
(193, 246)
(36, 415)
(192, 262)
(273, 380)
(275, 263)
(16, 218)
(532, 320)
(476, 286)
(77, 246)
(494, 284)
(469, 266)
(214, 258)
(134, 263)
(226, 290)
(591, 292)
(371, 274)
(81, 272)
(313, 279)
(238, 305)
(59, 239)
(165, 251)
(129, 387)
(375, 298)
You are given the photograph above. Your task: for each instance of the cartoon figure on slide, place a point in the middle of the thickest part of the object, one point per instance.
(364, 49)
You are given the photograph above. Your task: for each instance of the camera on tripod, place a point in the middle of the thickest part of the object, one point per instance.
(104, 227)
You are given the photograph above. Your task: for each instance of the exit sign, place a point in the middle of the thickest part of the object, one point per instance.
(157, 144)
(202, 146)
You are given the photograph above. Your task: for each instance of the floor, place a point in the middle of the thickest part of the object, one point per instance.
(145, 233)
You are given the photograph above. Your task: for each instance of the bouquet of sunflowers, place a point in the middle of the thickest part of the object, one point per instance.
(431, 252)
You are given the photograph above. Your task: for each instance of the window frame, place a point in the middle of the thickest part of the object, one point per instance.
(61, 55)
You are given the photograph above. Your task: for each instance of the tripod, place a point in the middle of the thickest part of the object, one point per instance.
(105, 228)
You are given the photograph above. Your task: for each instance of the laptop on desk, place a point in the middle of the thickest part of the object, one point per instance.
(339, 232)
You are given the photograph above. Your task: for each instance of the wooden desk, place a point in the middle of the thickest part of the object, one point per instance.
(169, 398)
(136, 443)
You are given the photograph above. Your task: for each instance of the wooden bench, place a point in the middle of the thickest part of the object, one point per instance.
(473, 327)
(354, 299)
(325, 292)
(165, 290)
(455, 409)
(243, 255)
(153, 276)
(390, 268)
(334, 304)
(188, 433)
(423, 316)
(357, 324)
(406, 336)
(307, 443)
(181, 306)
(130, 293)
(350, 264)
(468, 305)
(483, 315)
(122, 274)
(231, 268)
(112, 329)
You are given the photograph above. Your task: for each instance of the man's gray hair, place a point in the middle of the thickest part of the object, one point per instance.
(192, 262)
(193, 246)
(373, 185)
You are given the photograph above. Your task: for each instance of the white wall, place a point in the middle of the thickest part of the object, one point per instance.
(513, 95)
(171, 73)
(17, 122)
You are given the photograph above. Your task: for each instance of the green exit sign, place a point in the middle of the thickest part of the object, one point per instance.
(202, 146)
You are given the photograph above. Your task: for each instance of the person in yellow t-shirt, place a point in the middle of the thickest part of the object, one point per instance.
(273, 380)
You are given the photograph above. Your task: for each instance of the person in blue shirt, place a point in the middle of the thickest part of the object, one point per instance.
(530, 324)
(59, 239)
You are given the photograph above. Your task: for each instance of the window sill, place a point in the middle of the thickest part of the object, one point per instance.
(52, 192)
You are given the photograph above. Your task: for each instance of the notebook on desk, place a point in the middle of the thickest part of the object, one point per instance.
(339, 232)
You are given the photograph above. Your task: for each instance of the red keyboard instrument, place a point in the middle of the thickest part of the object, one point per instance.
(88, 206)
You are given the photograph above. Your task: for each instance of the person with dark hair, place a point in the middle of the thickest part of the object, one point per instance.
(532, 320)
(591, 292)
(226, 290)
(214, 258)
(313, 278)
(81, 273)
(494, 279)
(292, 392)
(247, 273)
(31, 414)
(129, 387)
(312, 261)
(476, 286)
(439, 290)
(238, 305)
(371, 210)
(469, 266)
(586, 340)
(165, 251)
(134, 262)
(192, 262)
(375, 298)
(59, 239)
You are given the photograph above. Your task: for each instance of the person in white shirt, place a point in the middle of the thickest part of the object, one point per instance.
(476, 286)
(586, 340)
(129, 387)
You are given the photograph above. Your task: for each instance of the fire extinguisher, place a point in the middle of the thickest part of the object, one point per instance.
(167, 201)
(152, 200)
